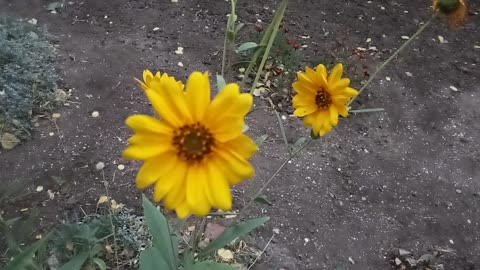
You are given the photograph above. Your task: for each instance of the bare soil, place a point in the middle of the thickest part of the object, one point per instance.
(406, 178)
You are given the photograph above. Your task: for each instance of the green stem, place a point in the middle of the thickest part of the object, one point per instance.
(290, 157)
(384, 64)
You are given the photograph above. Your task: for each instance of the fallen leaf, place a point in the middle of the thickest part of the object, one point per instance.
(102, 199)
(225, 254)
(9, 141)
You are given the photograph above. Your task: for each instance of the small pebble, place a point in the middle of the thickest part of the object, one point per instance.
(56, 115)
(458, 191)
(469, 221)
(121, 167)
(405, 37)
(388, 78)
(51, 133)
(453, 88)
(156, 28)
(409, 74)
(100, 165)
(369, 40)
(39, 188)
(95, 114)
(451, 241)
(180, 64)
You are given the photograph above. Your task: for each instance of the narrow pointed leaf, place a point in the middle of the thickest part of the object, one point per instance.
(160, 231)
(262, 199)
(231, 233)
(260, 140)
(220, 83)
(247, 46)
(152, 259)
(76, 262)
(211, 265)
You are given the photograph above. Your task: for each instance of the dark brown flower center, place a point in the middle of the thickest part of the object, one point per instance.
(193, 142)
(323, 99)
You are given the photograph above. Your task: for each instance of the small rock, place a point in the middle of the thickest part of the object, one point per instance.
(56, 115)
(409, 74)
(403, 252)
(453, 88)
(99, 166)
(51, 134)
(388, 78)
(156, 28)
(32, 21)
(458, 191)
(95, 114)
(451, 241)
(369, 40)
(351, 260)
(405, 37)
(441, 39)
(398, 261)
(39, 188)
(121, 167)
(180, 64)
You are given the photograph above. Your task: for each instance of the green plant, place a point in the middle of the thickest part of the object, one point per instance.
(28, 79)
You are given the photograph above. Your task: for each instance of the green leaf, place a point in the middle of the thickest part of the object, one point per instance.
(247, 46)
(298, 143)
(239, 27)
(220, 83)
(368, 110)
(101, 263)
(95, 250)
(262, 199)
(260, 140)
(231, 233)
(25, 259)
(152, 259)
(231, 36)
(76, 262)
(313, 135)
(160, 231)
(54, 5)
(211, 265)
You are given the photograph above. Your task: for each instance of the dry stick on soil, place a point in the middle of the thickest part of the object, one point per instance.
(105, 183)
(382, 66)
(261, 253)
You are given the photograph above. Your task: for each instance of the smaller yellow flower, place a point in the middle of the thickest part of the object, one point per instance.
(158, 81)
(455, 10)
(321, 97)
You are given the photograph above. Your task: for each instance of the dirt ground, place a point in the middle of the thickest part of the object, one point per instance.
(406, 178)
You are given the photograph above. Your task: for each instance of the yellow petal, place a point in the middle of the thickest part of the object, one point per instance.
(196, 197)
(225, 114)
(145, 151)
(322, 72)
(322, 121)
(349, 92)
(302, 111)
(182, 210)
(172, 187)
(342, 110)
(145, 123)
(340, 100)
(154, 169)
(234, 166)
(339, 86)
(171, 106)
(150, 138)
(198, 95)
(219, 188)
(333, 115)
(304, 88)
(242, 145)
(303, 100)
(147, 76)
(335, 74)
(318, 79)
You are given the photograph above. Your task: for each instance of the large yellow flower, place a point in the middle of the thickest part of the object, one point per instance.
(321, 97)
(196, 150)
